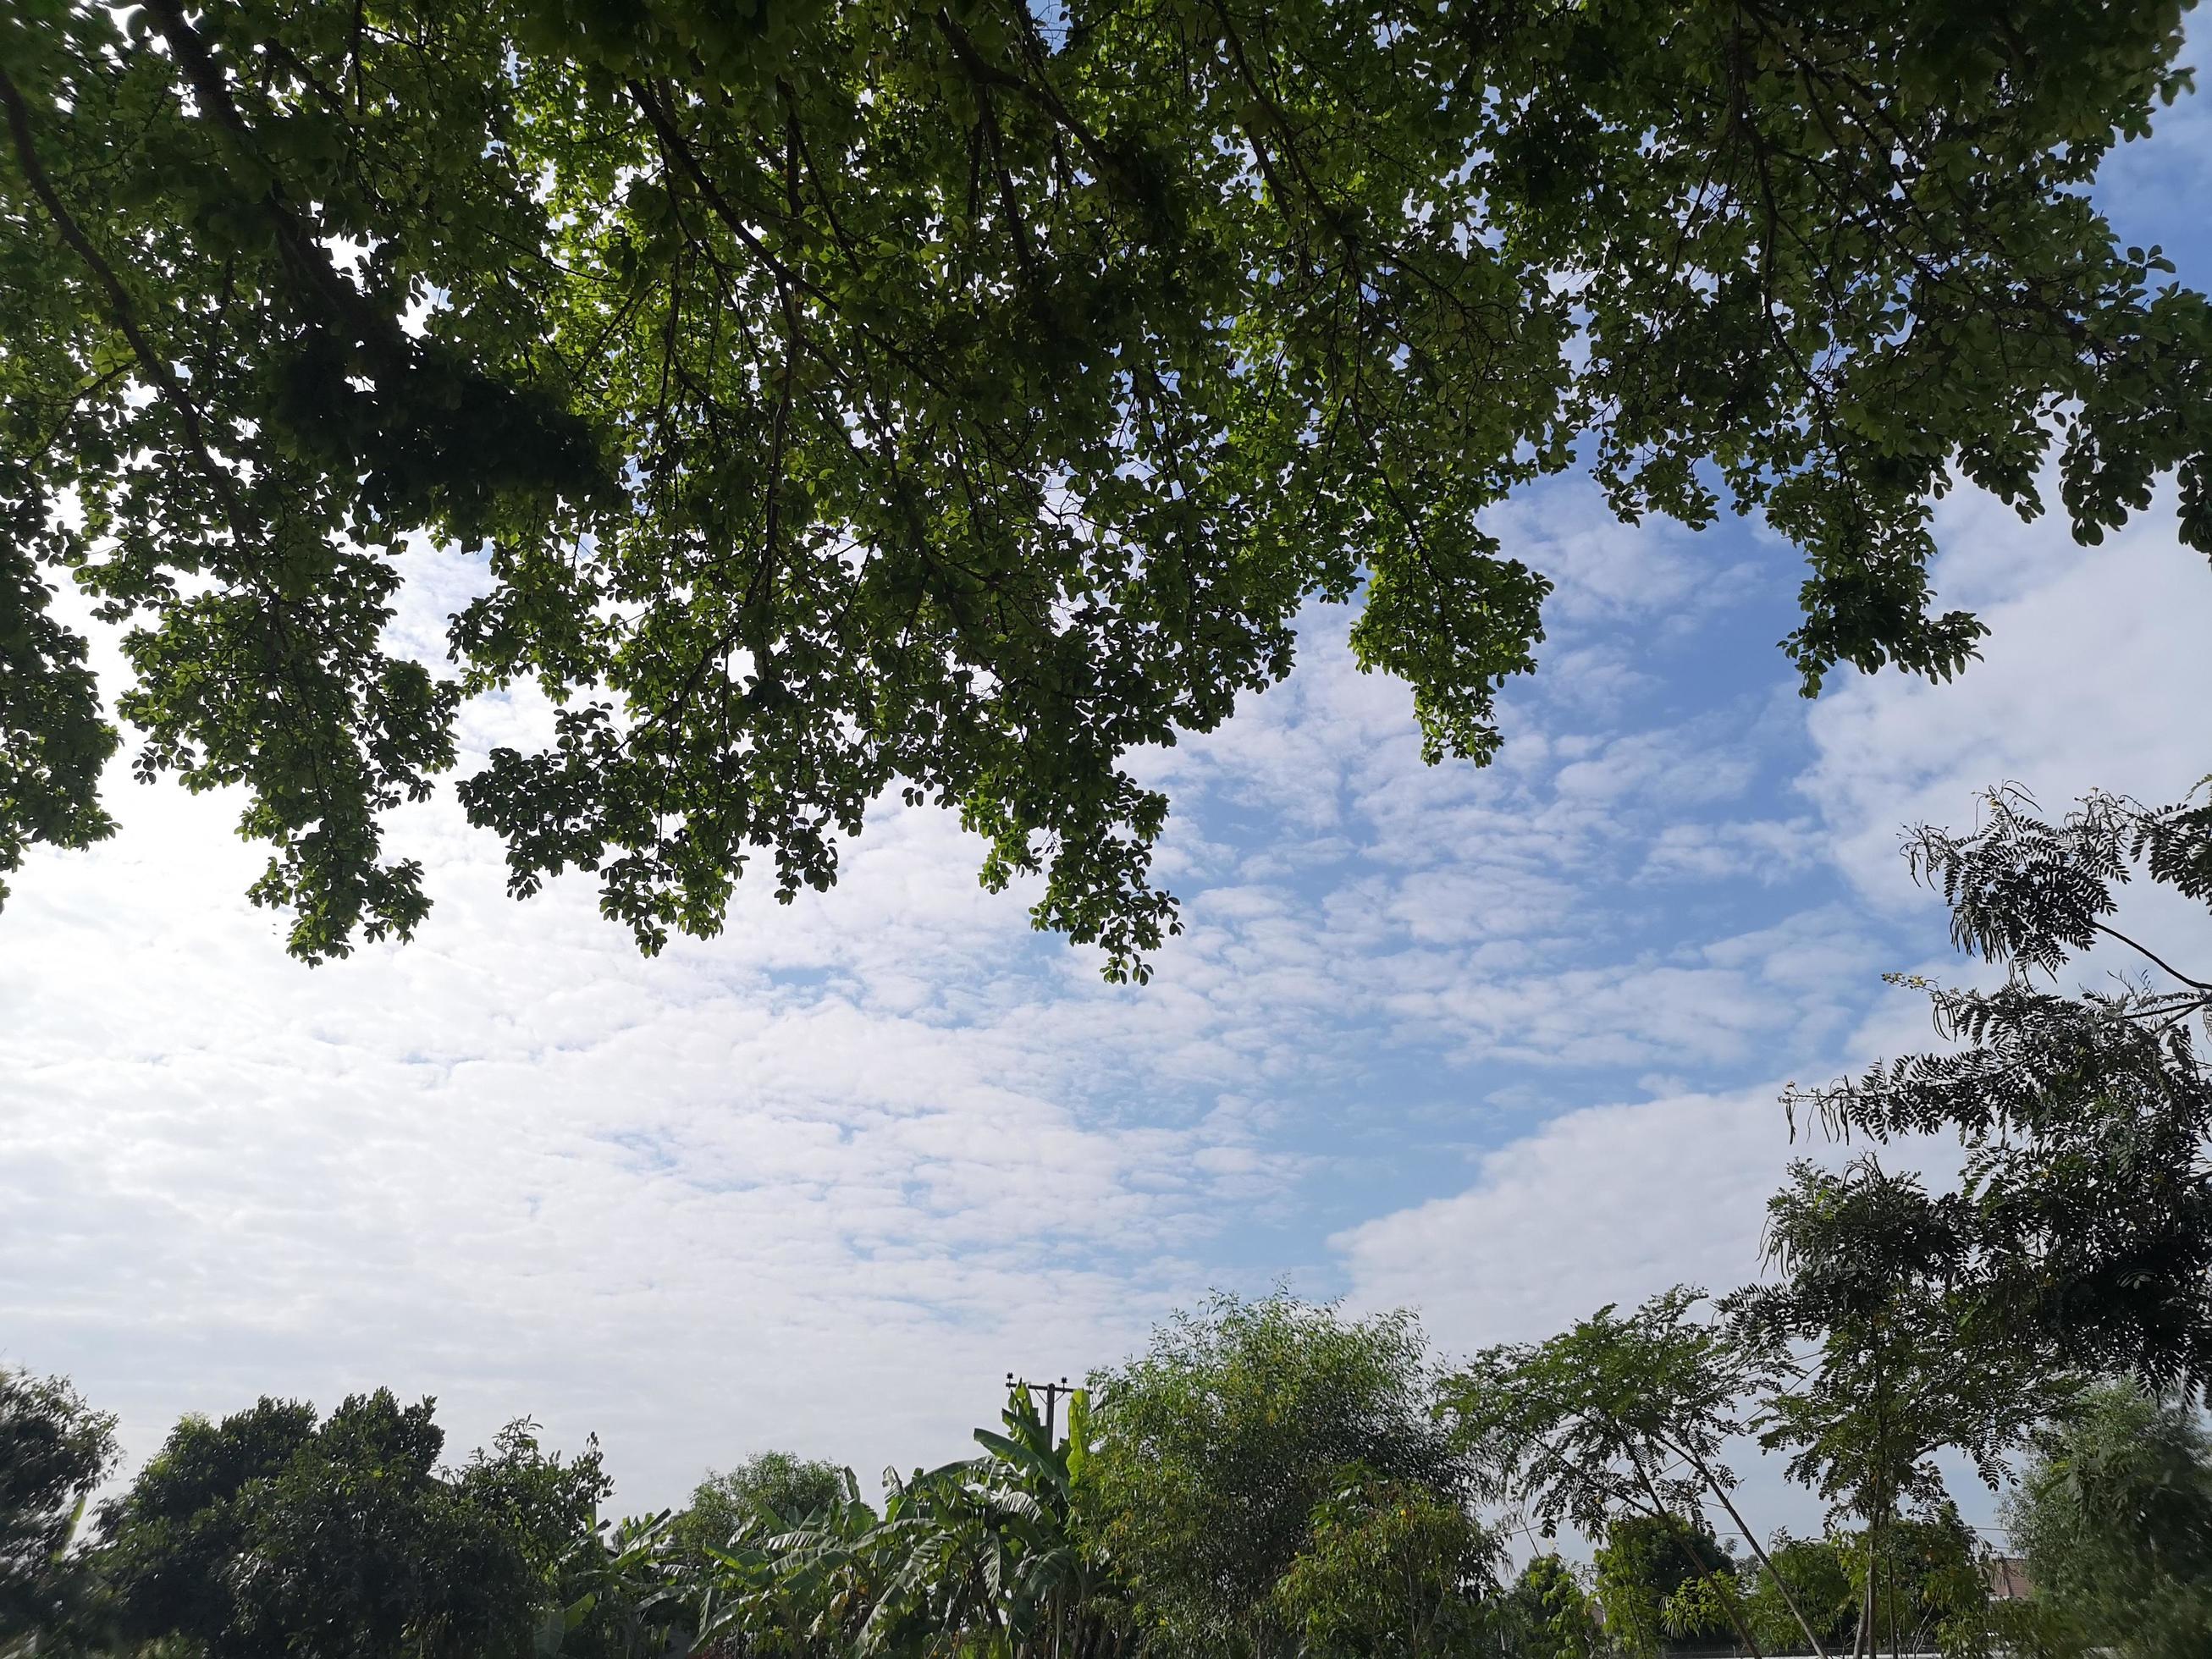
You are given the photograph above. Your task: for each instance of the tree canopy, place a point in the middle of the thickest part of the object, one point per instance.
(2114, 1515)
(1617, 1427)
(54, 1449)
(845, 396)
(772, 1488)
(2080, 1235)
(1242, 1429)
(271, 1528)
(1390, 1569)
(1267, 1480)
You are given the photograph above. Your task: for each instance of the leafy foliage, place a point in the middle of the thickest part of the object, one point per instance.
(1547, 1614)
(2083, 1226)
(771, 1487)
(1923, 1581)
(621, 1591)
(270, 1530)
(54, 1450)
(278, 1532)
(1390, 1569)
(800, 1589)
(1623, 1419)
(2115, 1518)
(983, 1557)
(1237, 1488)
(1617, 1413)
(1658, 1578)
(848, 396)
(1901, 1366)
(1215, 1447)
(1806, 1578)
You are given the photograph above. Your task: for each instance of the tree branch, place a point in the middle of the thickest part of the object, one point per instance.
(2114, 933)
(123, 314)
(302, 250)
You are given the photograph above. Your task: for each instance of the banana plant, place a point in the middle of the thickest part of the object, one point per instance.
(1052, 1597)
(981, 1558)
(622, 1595)
(797, 1587)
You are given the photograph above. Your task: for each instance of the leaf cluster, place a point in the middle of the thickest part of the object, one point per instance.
(54, 1451)
(844, 398)
(2114, 1518)
(2082, 1227)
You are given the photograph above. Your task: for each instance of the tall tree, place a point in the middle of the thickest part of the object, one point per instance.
(1215, 1447)
(54, 1450)
(1900, 1368)
(845, 394)
(271, 1533)
(2114, 1515)
(1624, 1417)
(2082, 1230)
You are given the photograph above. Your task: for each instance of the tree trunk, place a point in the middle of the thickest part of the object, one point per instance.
(1727, 1596)
(1789, 1600)
(1867, 1642)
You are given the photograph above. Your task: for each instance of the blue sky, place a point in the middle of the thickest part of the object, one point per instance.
(1501, 1045)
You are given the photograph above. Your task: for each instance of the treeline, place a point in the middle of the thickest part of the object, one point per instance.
(1271, 1479)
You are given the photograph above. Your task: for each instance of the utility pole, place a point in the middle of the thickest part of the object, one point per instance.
(1051, 1391)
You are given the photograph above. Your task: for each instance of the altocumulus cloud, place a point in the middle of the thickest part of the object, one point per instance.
(2095, 676)
(1501, 1045)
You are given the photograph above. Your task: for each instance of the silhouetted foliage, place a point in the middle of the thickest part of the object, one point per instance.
(853, 396)
(54, 1450)
(2114, 1517)
(2082, 1227)
(272, 1530)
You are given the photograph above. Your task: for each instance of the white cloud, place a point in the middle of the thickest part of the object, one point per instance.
(1609, 1204)
(1763, 850)
(821, 1182)
(515, 1165)
(2096, 674)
